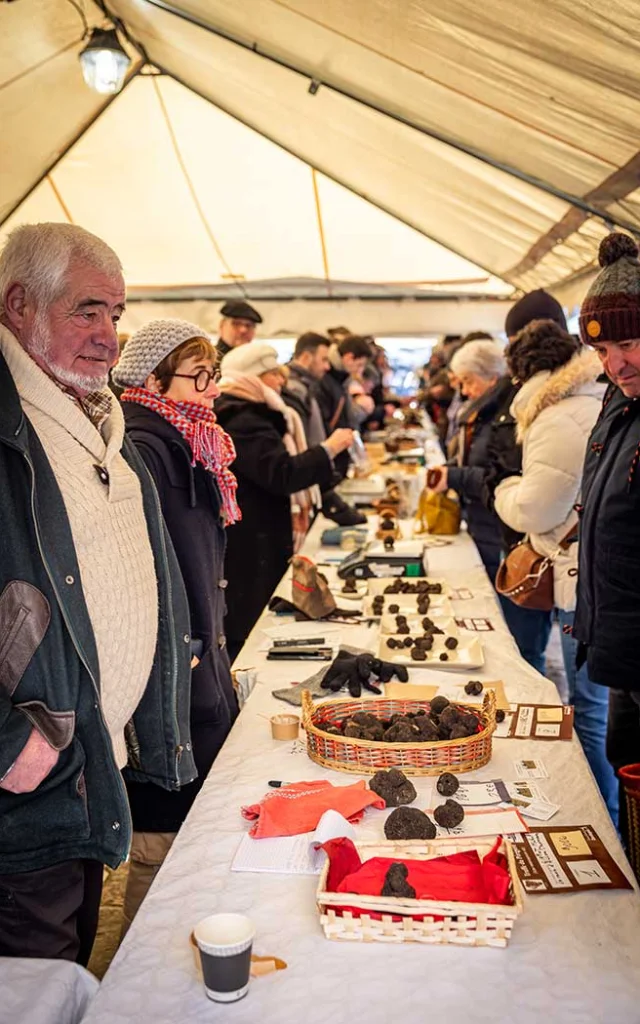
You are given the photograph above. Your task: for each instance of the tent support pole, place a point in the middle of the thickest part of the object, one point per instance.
(529, 179)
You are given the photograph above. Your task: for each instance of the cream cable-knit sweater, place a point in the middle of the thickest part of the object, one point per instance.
(109, 533)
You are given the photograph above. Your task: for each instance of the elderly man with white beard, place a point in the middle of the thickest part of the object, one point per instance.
(94, 625)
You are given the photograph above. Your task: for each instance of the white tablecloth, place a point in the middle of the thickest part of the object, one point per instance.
(572, 959)
(44, 991)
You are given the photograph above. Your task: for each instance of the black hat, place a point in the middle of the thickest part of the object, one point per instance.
(538, 305)
(241, 311)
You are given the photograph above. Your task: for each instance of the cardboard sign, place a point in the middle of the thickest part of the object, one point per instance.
(564, 859)
(537, 722)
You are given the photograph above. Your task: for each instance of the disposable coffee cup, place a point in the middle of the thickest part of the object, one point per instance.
(285, 727)
(225, 942)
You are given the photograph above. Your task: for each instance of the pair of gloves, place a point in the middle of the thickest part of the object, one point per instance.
(356, 672)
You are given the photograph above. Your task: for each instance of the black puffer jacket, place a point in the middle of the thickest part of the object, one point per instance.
(482, 424)
(190, 502)
(260, 546)
(607, 618)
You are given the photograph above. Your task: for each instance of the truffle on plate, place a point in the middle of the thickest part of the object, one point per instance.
(500, 715)
(409, 823)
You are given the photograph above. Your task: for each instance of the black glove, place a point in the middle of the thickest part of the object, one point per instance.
(386, 670)
(356, 671)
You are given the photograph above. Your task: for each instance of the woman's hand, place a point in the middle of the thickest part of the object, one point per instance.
(339, 441)
(437, 479)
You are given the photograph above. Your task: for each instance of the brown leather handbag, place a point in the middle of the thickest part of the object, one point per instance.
(526, 577)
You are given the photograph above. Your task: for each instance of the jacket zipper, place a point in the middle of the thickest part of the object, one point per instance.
(76, 644)
(172, 638)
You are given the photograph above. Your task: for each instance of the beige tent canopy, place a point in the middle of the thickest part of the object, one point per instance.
(402, 146)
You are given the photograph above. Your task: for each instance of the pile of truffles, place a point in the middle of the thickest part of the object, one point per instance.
(418, 646)
(443, 721)
(404, 586)
(411, 823)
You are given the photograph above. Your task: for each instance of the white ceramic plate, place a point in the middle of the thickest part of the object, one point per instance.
(468, 654)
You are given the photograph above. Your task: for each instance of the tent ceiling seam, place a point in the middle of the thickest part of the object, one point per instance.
(329, 174)
(67, 149)
(538, 183)
(191, 187)
(56, 191)
(40, 64)
(614, 188)
(446, 86)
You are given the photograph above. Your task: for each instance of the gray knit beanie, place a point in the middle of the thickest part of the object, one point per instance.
(146, 349)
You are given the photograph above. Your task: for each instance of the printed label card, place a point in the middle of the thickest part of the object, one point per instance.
(530, 768)
(538, 722)
(560, 859)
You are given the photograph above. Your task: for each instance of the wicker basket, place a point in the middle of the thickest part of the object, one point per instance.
(344, 754)
(459, 924)
(630, 778)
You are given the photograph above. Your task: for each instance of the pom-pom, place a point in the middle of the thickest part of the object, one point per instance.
(614, 247)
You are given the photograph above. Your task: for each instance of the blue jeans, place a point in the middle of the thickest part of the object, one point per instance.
(591, 706)
(530, 629)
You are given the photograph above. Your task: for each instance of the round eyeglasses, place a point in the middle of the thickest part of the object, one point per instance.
(201, 379)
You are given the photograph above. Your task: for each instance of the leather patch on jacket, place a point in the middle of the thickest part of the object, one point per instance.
(57, 727)
(24, 619)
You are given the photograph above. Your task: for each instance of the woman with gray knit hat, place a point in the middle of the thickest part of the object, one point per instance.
(169, 375)
(607, 618)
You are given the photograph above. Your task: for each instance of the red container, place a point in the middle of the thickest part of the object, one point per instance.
(630, 777)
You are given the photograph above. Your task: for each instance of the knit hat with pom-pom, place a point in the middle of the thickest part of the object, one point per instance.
(611, 310)
(146, 349)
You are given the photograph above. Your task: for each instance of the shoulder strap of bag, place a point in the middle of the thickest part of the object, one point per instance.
(336, 416)
(569, 538)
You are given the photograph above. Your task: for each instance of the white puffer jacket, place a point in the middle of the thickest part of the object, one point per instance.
(555, 413)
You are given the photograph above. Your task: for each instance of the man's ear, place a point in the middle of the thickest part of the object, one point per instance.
(15, 304)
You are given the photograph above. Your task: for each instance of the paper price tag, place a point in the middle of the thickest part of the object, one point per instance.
(530, 768)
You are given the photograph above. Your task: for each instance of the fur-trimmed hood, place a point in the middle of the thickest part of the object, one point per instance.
(577, 377)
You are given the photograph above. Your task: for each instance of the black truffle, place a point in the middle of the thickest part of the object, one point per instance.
(500, 715)
(395, 883)
(447, 784)
(428, 729)
(394, 608)
(449, 814)
(407, 642)
(444, 656)
(438, 704)
(451, 643)
(402, 732)
(392, 643)
(473, 687)
(403, 628)
(418, 654)
(409, 823)
(394, 787)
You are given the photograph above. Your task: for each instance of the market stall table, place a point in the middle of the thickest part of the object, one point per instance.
(44, 991)
(572, 958)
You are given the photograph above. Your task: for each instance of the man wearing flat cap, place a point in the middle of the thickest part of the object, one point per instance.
(237, 327)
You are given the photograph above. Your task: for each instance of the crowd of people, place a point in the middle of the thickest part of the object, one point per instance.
(152, 498)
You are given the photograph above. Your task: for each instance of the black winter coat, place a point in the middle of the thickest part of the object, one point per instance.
(190, 502)
(470, 480)
(51, 673)
(335, 406)
(607, 618)
(260, 545)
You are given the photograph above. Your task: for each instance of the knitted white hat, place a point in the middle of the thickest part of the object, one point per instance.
(148, 347)
(255, 358)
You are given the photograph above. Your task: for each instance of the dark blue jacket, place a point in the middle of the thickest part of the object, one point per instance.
(49, 671)
(607, 618)
(470, 479)
(191, 504)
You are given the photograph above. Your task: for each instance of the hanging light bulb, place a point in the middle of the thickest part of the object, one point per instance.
(104, 62)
